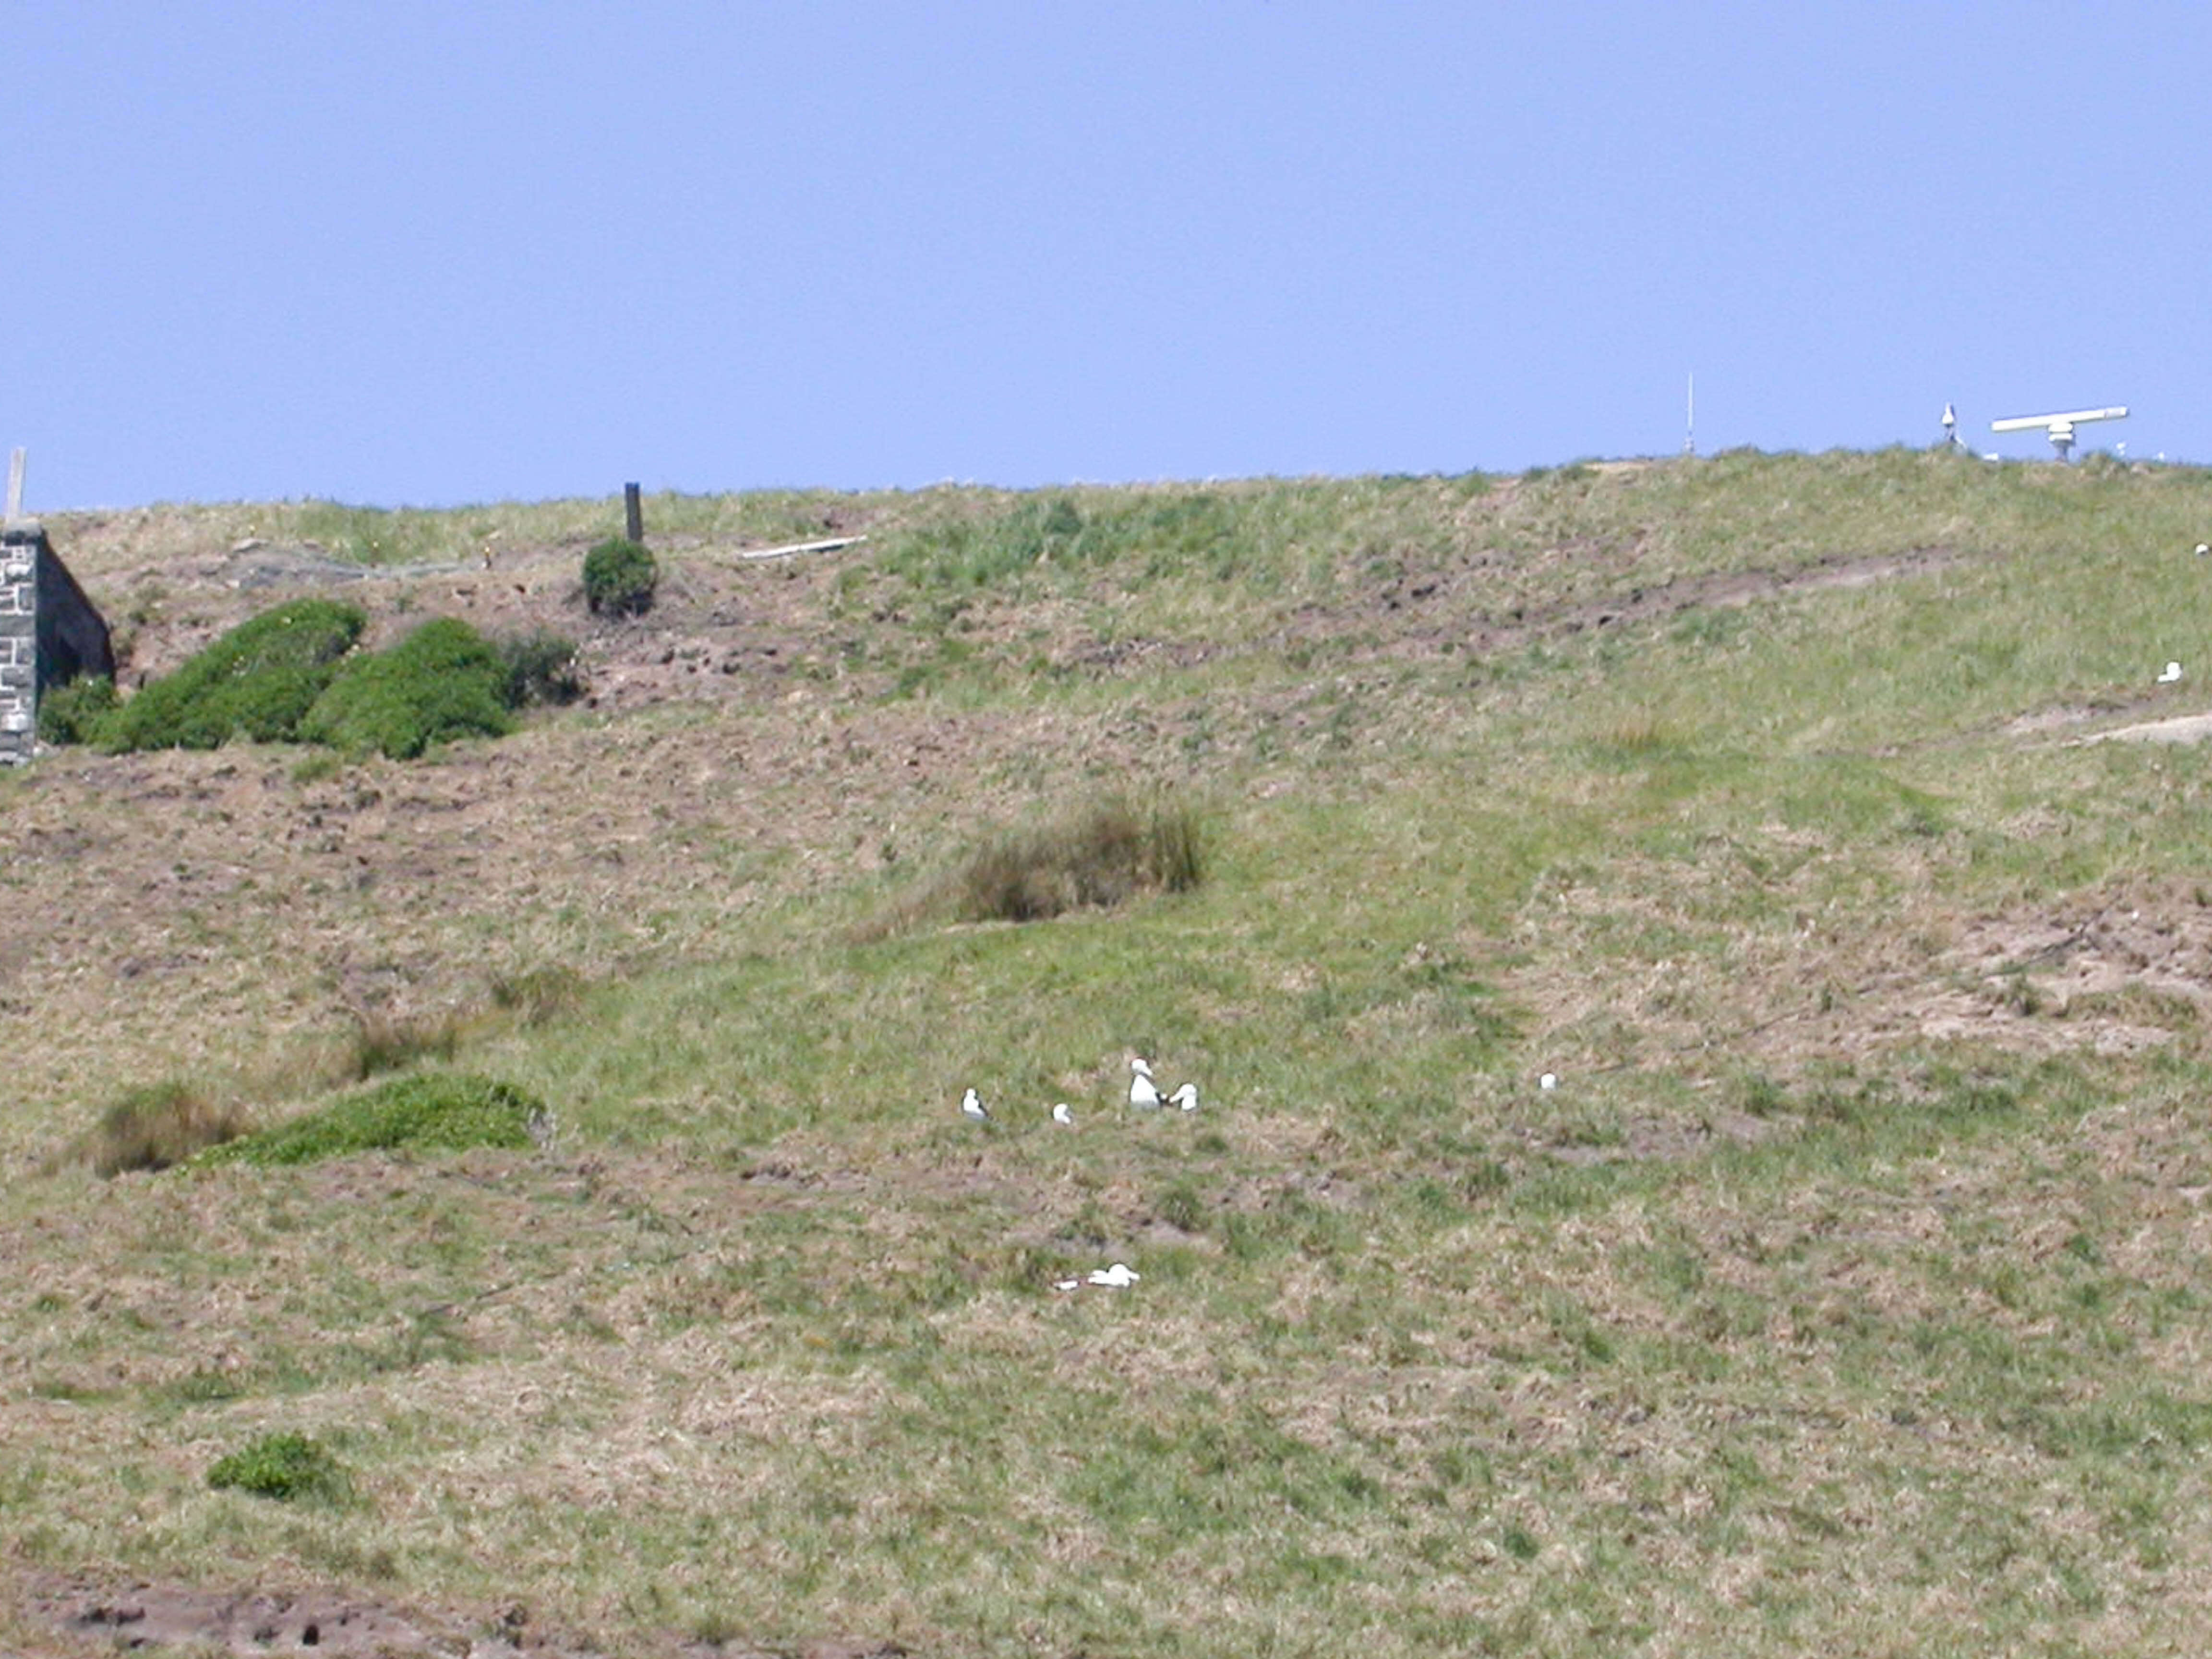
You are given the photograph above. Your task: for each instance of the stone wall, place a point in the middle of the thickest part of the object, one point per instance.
(50, 633)
(19, 640)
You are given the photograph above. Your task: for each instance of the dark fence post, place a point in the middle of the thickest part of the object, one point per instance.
(634, 514)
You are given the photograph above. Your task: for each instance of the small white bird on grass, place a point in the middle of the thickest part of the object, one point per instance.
(971, 1106)
(1118, 1277)
(1061, 1114)
(2170, 673)
(1186, 1097)
(1549, 1080)
(1143, 1094)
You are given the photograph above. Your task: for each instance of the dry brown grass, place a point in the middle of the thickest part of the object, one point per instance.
(155, 1126)
(1096, 856)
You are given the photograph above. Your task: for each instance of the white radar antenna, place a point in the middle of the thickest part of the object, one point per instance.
(2060, 426)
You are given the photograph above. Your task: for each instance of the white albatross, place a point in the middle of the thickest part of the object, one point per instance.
(971, 1105)
(1186, 1097)
(1061, 1114)
(1142, 1094)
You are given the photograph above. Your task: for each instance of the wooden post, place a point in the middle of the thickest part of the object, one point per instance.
(634, 514)
(15, 484)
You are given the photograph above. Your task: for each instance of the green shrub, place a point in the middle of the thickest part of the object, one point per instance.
(157, 1126)
(283, 1467)
(73, 711)
(619, 577)
(256, 682)
(541, 668)
(430, 1111)
(442, 681)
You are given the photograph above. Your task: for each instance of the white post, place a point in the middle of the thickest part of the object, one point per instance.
(15, 484)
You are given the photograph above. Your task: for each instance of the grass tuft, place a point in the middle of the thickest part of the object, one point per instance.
(1098, 856)
(155, 1126)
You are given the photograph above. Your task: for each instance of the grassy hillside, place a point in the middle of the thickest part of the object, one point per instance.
(1847, 1292)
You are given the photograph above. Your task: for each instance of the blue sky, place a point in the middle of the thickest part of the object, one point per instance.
(428, 254)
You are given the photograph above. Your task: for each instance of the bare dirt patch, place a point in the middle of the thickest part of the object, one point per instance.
(88, 1617)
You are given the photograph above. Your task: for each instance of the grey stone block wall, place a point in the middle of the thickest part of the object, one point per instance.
(50, 632)
(19, 640)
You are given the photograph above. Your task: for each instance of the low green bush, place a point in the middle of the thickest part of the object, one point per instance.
(442, 681)
(427, 1111)
(258, 681)
(74, 712)
(284, 1467)
(620, 578)
(541, 668)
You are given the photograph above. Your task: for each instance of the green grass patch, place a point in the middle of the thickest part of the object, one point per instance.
(428, 1112)
(285, 1468)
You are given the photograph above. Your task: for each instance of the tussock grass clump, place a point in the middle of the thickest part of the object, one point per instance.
(385, 1043)
(155, 1126)
(1098, 856)
(258, 681)
(535, 996)
(443, 681)
(430, 1111)
(284, 1466)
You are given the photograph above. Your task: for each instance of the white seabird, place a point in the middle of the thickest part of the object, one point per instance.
(1549, 1080)
(2170, 673)
(1142, 1094)
(1118, 1277)
(1186, 1097)
(971, 1105)
(1061, 1114)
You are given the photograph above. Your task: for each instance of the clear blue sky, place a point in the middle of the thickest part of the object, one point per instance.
(404, 253)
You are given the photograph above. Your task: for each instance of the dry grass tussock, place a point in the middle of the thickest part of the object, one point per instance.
(1098, 855)
(155, 1126)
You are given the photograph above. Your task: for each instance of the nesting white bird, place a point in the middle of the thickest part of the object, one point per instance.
(1118, 1277)
(2202, 548)
(1549, 1080)
(1061, 1114)
(971, 1106)
(1144, 1095)
(1186, 1097)
(2169, 674)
